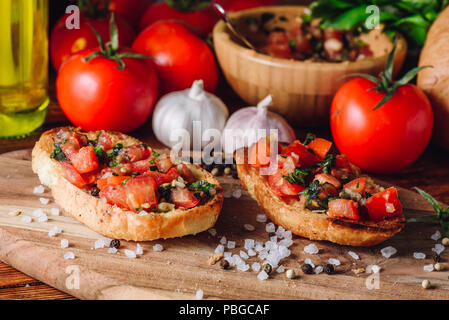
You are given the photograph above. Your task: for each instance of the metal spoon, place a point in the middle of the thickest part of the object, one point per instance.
(224, 16)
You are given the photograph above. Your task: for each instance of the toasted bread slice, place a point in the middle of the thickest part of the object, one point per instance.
(292, 215)
(112, 221)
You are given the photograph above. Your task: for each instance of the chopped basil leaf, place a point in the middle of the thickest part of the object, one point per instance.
(58, 154)
(124, 181)
(155, 154)
(309, 138)
(204, 186)
(298, 176)
(327, 163)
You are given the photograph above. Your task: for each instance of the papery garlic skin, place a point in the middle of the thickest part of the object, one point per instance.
(177, 112)
(247, 125)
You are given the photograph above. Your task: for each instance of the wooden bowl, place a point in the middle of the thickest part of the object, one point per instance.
(302, 90)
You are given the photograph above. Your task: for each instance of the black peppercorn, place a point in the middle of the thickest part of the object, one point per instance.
(95, 191)
(436, 257)
(329, 269)
(115, 243)
(307, 268)
(224, 264)
(235, 175)
(267, 268)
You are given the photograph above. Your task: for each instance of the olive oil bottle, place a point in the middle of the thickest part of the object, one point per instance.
(23, 66)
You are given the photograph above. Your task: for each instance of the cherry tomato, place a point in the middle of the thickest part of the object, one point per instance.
(384, 140)
(202, 21)
(96, 95)
(343, 208)
(85, 160)
(130, 10)
(65, 42)
(384, 204)
(183, 198)
(238, 5)
(181, 57)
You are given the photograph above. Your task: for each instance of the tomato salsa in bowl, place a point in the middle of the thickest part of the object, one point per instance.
(297, 62)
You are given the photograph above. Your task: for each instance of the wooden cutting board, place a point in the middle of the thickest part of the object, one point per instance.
(182, 267)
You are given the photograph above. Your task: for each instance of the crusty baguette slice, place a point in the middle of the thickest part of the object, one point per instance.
(112, 221)
(303, 222)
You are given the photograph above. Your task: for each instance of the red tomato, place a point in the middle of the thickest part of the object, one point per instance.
(130, 10)
(96, 95)
(71, 146)
(163, 162)
(306, 158)
(162, 178)
(384, 204)
(181, 57)
(357, 185)
(342, 162)
(185, 172)
(183, 198)
(134, 153)
(65, 42)
(327, 178)
(112, 180)
(260, 153)
(85, 160)
(133, 194)
(384, 140)
(282, 187)
(278, 45)
(238, 5)
(202, 21)
(104, 141)
(343, 208)
(72, 175)
(320, 146)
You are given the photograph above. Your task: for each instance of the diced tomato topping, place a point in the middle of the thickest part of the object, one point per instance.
(135, 194)
(161, 178)
(163, 162)
(134, 153)
(112, 180)
(288, 164)
(306, 157)
(141, 166)
(342, 162)
(260, 153)
(327, 190)
(85, 160)
(185, 172)
(183, 198)
(302, 42)
(384, 204)
(90, 177)
(72, 175)
(343, 208)
(278, 45)
(327, 178)
(282, 187)
(70, 146)
(320, 146)
(104, 141)
(357, 185)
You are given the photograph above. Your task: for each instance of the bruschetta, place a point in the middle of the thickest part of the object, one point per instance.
(318, 195)
(123, 189)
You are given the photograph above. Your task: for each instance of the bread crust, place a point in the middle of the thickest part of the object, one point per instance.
(110, 220)
(293, 216)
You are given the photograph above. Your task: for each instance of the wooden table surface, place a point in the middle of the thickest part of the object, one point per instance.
(430, 172)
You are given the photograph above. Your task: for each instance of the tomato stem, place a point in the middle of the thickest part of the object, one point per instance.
(110, 49)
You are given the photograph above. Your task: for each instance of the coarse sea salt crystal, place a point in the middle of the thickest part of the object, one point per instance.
(231, 244)
(429, 267)
(112, 250)
(26, 219)
(387, 252)
(262, 275)
(69, 255)
(280, 232)
(255, 266)
(159, 248)
(286, 242)
(39, 189)
(227, 254)
(373, 268)
(54, 211)
(64, 243)
(288, 235)
(308, 261)
(54, 231)
(219, 248)
(283, 252)
(436, 236)
(243, 267)
(44, 200)
(261, 218)
(199, 294)
(354, 255)
(139, 249)
(243, 254)
(130, 254)
(249, 227)
(38, 212)
(274, 239)
(223, 240)
(252, 253)
(438, 248)
(212, 232)
(249, 244)
(42, 218)
(280, 269)
(335, 262)
(311, 249)
(419, 255)
(237, 193)
(99, 244)
(318, 270)
(270, 227)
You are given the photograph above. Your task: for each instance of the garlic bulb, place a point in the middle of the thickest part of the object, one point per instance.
(192, 111)
(246, 126)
